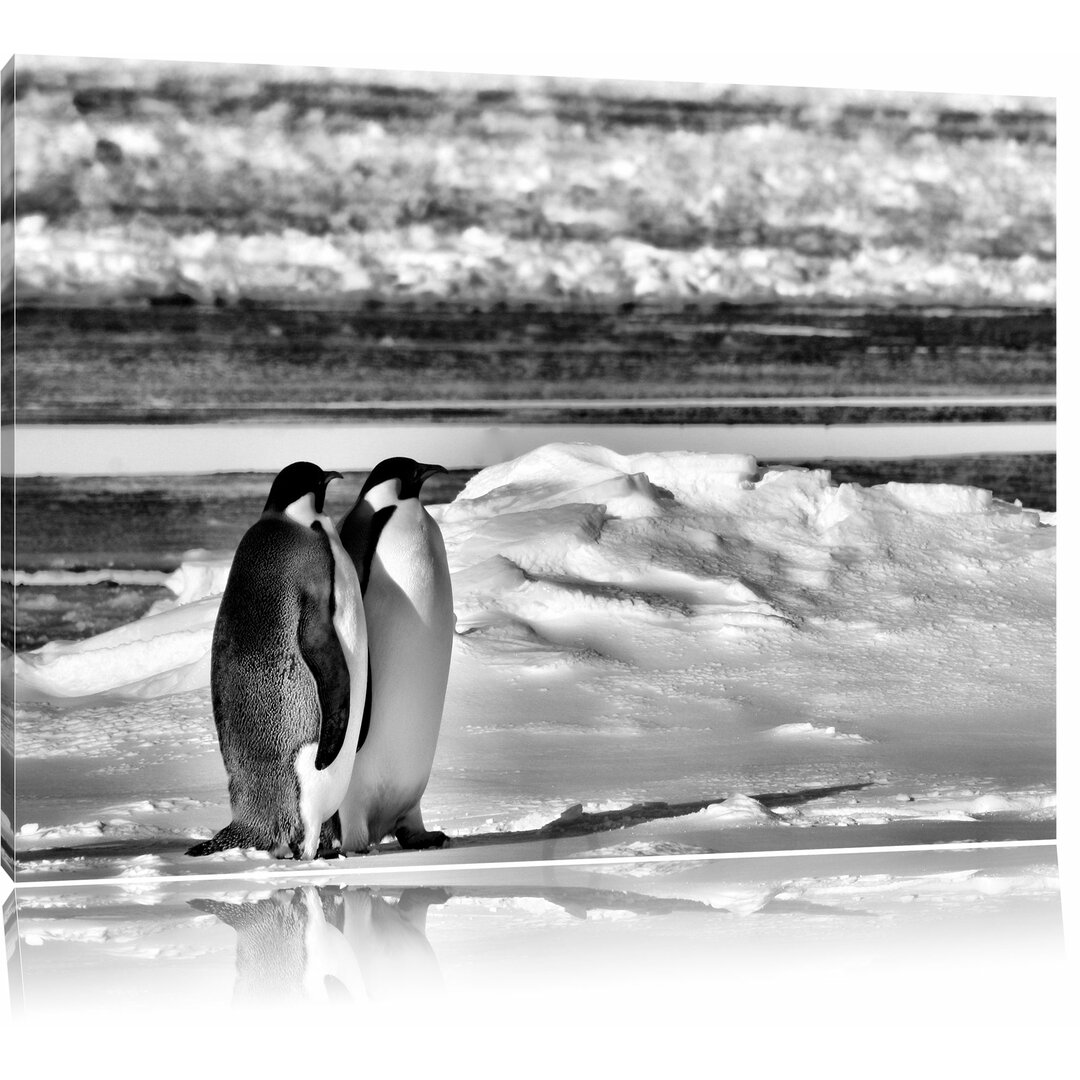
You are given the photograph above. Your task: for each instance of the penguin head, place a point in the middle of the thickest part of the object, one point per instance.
(299, 483)
(397, 479)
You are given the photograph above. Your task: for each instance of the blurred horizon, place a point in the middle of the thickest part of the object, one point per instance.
(220, 183)
(234, 242)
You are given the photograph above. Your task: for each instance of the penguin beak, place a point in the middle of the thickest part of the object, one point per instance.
(426, 471)
(320, 495)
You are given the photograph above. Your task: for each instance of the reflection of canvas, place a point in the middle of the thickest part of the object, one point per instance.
(658, 652)
(647, 934)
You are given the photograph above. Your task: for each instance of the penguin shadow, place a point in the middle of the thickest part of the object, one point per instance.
(575, 821)
(331, 944)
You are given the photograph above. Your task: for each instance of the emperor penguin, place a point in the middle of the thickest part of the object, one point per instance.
(288, 672)
(401, 561)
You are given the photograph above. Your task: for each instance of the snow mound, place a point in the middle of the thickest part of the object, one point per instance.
(812, 731)
(647, 849)
(551, 475)
(938, 498)
(736, 810)
(113, 829)
(584, 548)
(1032, 804)
(201, 574)
(155, 806)
(161, 654)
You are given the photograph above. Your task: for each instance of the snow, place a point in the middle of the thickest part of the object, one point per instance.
(684, 629)
(82, 577)
(811, 731)
(737, 809)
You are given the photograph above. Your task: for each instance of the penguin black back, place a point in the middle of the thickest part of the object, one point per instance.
(294, 482)
(280, 677)
(269, 623)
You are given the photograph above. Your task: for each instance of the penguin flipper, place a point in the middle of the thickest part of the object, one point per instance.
(365, 722)
(325, 658)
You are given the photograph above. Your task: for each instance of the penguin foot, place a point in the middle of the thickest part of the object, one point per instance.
(419, 839)
(232, 836)
(423, 896)
(330, 832)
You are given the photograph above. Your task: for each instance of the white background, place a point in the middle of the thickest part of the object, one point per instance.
(916, 45)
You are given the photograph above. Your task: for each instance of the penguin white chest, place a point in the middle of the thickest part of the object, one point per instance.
(410, 619)
(409, 608)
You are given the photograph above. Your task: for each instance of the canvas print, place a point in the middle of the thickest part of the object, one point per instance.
(422, 469)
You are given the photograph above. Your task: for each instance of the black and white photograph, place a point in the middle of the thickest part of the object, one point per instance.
(462, 525)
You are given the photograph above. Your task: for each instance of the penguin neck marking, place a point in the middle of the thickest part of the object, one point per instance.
(388, 493)
(303, 511)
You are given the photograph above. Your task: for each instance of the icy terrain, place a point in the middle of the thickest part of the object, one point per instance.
(226, 183)
(661, 653)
